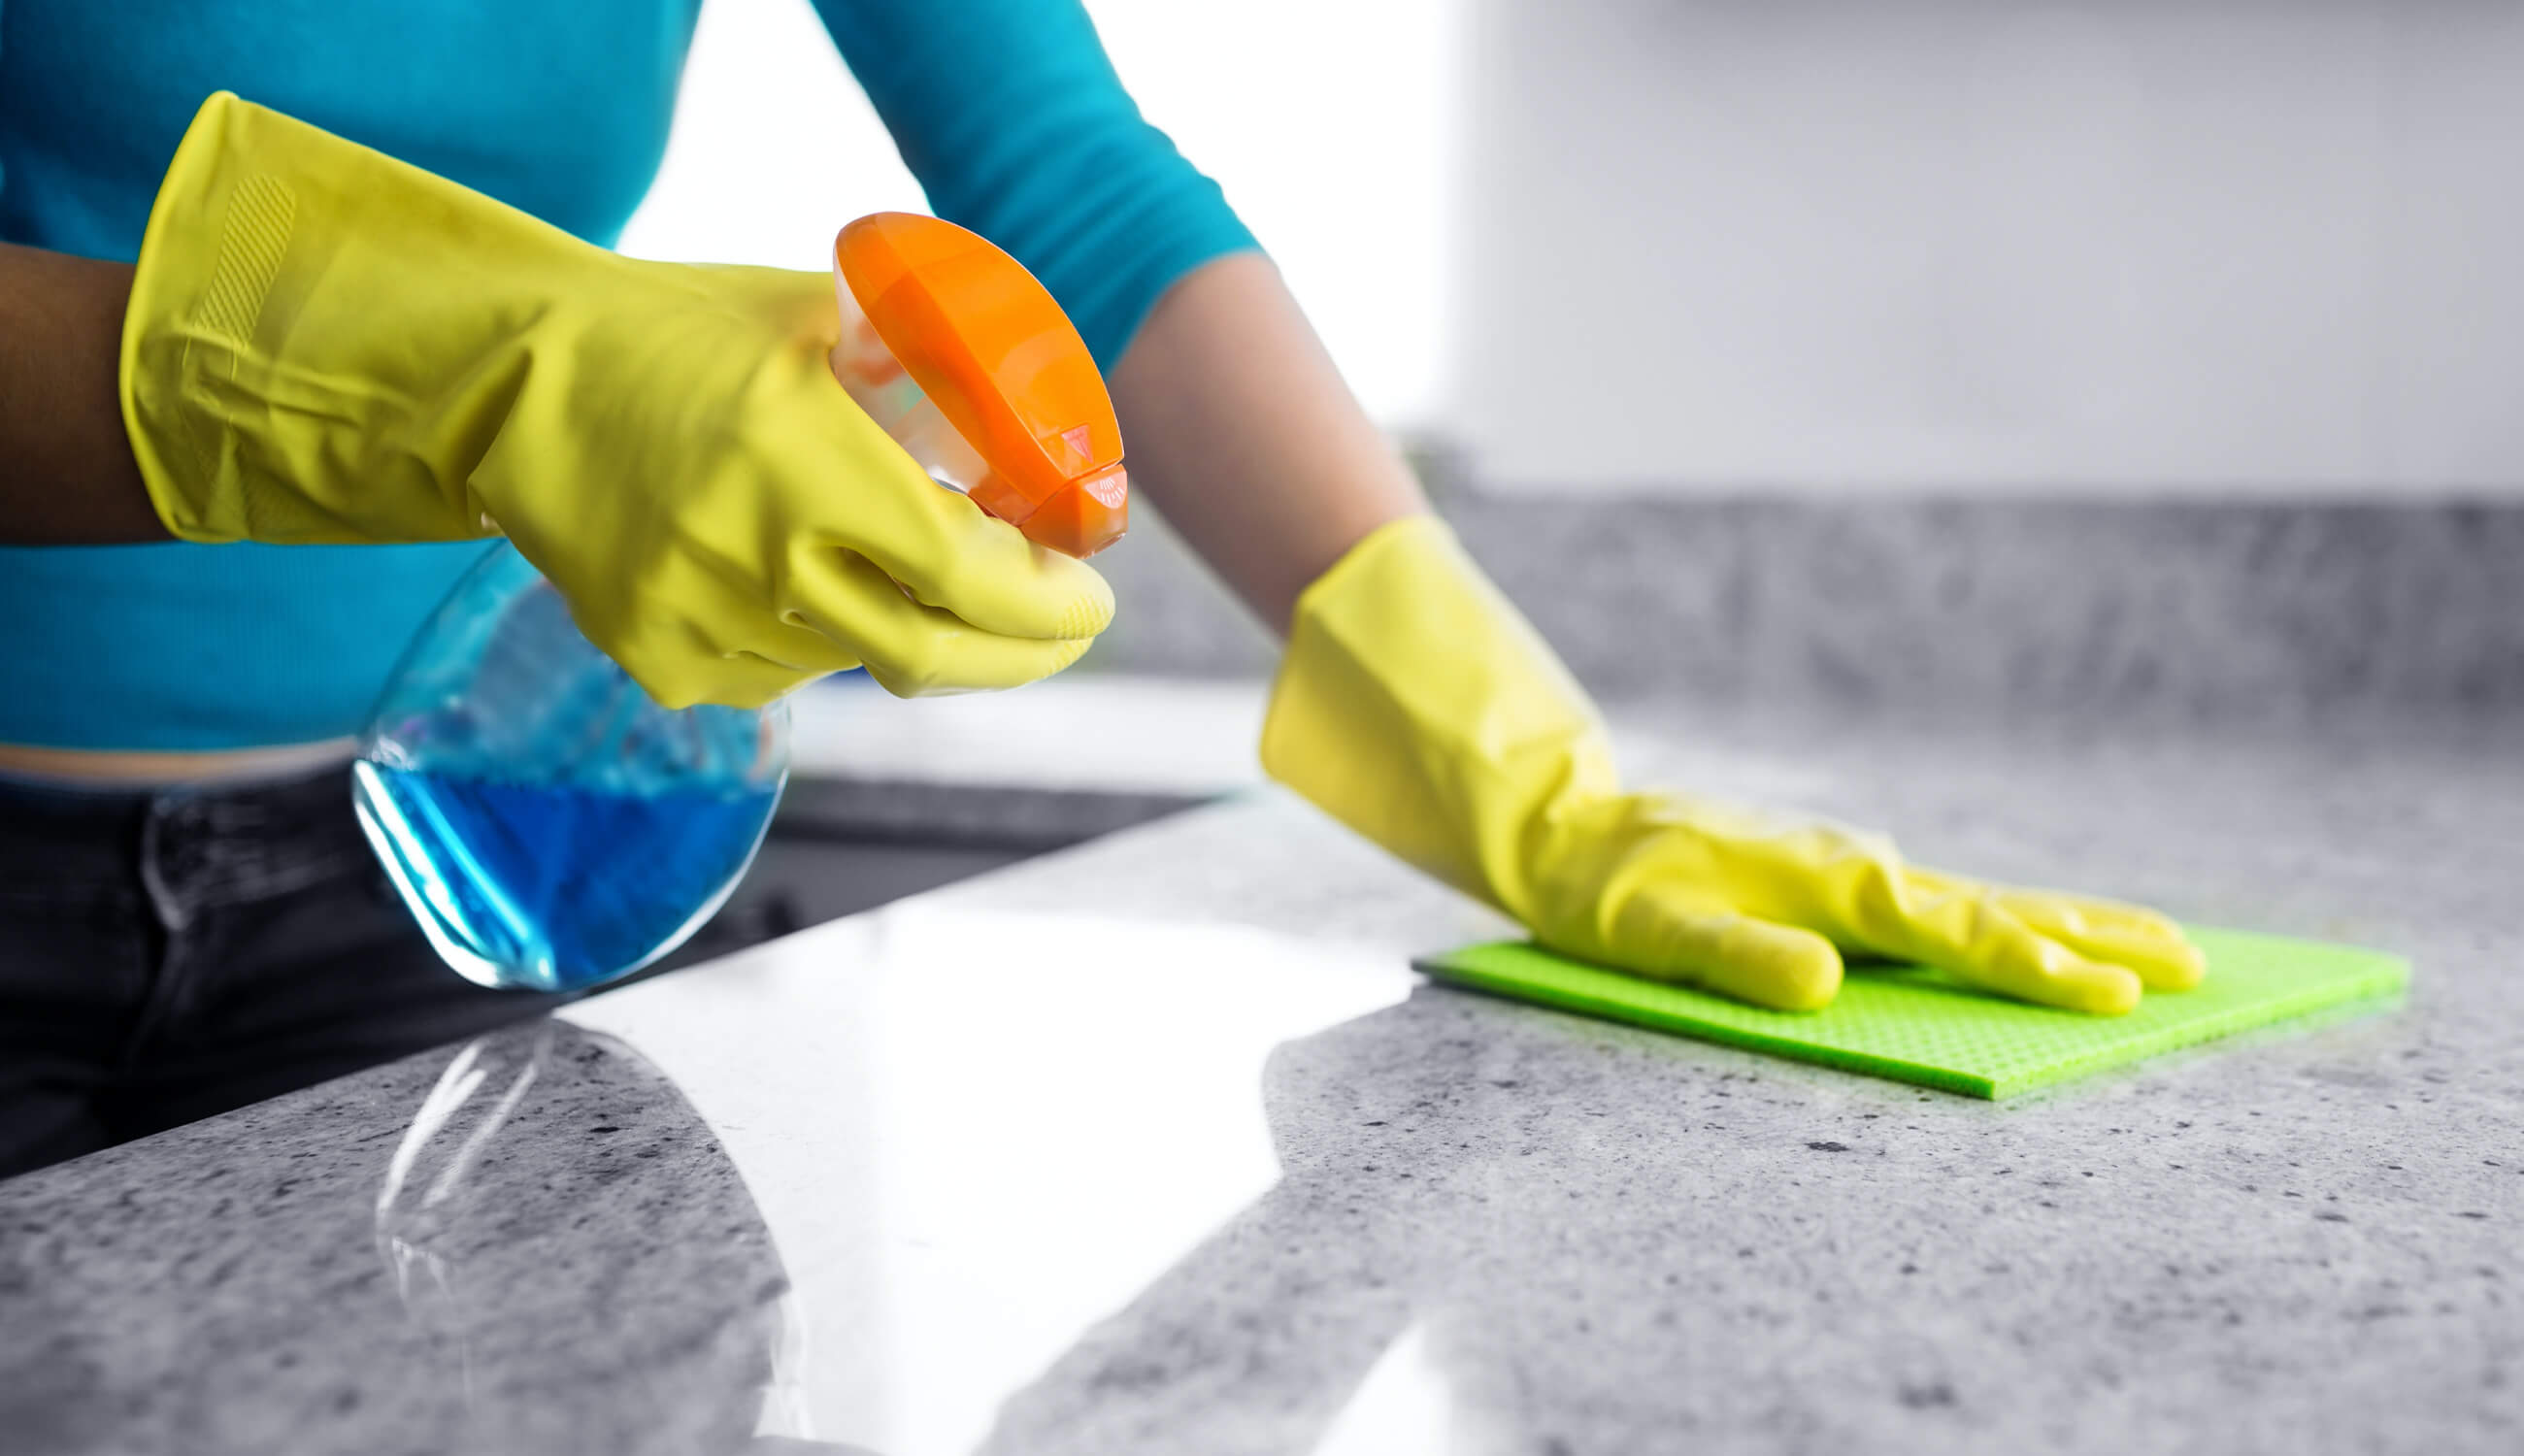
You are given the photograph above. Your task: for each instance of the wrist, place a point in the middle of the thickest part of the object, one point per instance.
(1415, 704)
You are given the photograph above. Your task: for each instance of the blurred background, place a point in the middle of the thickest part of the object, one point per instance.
(2103, 368)
(2182, 247)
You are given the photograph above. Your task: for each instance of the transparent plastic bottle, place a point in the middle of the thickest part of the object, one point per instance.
(553, 828)
(547, 823)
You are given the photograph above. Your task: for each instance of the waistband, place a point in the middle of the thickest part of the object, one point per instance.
(148, 771)
(177, 851)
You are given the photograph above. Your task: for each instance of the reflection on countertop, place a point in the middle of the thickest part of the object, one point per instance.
(528, 1242)
(1155, 1145)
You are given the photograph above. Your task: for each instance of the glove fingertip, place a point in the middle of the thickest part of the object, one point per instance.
(2096, 989)
(1807, 979)
(2180, 966)
(1779, 966)
(1012, 663)
(1091, 609)
(1002, 583)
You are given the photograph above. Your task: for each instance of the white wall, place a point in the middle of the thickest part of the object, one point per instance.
(2178, 245)
(2164, 245)
(1327, 121)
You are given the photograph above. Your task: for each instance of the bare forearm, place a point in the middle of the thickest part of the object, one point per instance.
(1241, 430)
(66, 469)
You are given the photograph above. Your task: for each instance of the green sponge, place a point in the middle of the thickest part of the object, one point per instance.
(1916, 1025)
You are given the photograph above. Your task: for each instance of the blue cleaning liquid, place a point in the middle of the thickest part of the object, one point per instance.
(555, 887)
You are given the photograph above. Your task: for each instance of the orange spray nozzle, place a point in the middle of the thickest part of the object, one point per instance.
(992, 349)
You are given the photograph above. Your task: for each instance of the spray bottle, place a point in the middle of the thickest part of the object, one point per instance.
(549, 824)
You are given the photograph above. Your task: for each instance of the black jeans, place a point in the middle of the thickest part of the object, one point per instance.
(168, 955)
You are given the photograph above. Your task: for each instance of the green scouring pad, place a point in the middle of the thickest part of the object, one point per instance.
(1915, 1025)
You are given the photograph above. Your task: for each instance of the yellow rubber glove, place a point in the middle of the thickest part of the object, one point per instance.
(1416, 706)
(327, 345)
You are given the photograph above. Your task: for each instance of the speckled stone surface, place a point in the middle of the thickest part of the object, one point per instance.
(2271, 612)
(1585, 1239)
(1615, 1242)
(593, 1277)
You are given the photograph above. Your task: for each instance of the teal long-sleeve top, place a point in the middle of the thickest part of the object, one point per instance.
(1007, 111)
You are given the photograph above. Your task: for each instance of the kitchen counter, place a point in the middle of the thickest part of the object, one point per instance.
(1156, 1144)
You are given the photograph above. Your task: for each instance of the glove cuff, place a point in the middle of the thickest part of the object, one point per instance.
(279, 382)
(1416, 705)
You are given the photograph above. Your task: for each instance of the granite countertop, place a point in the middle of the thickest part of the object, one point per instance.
(1156, 1144)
